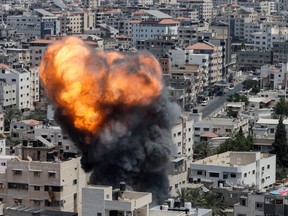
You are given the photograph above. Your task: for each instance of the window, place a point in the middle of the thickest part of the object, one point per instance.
(17, 186)
(51, 174)
(245, 175)
(268, 166)
(253, 172)
(199, 172)
(214, 175)
(36, 188)
(17, 172)
(233, 175)
(99, 214)
(36, 173)
(206, 129)
(259, 206)
(55, 203)
(197, 129)
(53, 188)
(74, 181)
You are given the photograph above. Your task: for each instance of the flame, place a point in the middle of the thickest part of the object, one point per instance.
(87, 84)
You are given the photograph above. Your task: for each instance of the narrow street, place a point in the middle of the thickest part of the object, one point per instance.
(218, 101)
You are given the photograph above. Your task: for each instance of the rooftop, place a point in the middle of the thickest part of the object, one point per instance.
(200, 46)
(232, 159)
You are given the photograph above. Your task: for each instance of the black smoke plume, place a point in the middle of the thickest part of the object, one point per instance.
(134, 142)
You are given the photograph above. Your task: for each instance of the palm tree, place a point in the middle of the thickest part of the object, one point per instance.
(215, 202)
(183, 194)
(197, 198)
(202, 150)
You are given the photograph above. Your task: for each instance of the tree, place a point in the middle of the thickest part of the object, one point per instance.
(251, 84)
(281, 107)
(215, 202)
(236, 97)
(193, 195)
(11, 114)
(37, 114)
(237, 142)
(202, 150)
(232, 113)
(280, 144)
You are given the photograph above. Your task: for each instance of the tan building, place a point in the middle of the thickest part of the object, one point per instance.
(38, 48)
(215, 59)
(24, 129)
(75, 22)
(40, 179)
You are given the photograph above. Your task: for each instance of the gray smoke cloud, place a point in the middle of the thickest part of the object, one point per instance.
(133, 143)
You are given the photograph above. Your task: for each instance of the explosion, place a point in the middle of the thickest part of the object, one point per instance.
(114, 108)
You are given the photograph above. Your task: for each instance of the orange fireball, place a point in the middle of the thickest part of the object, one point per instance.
(85, 82)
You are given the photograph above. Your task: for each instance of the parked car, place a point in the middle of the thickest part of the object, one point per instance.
(204, 103)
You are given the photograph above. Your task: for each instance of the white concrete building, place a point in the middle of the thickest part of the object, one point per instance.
(24, 129)
(264, 39)
(267, 127)
(49, 185)
(274, 77)
(56, 136)
(101, 200)
(237, 168)
(22, 80)
(144, 30)
(36, 24)
(252, 204)
(182, 135)
(219, 126)
(204, 7)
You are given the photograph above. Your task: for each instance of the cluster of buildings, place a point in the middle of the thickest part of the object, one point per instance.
(202, 46)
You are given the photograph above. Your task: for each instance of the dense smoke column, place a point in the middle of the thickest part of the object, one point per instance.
(132, 140)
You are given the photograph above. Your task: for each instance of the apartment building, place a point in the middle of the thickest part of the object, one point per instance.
(43, 177)
(274, 76)
(262, 204)
(56, 136)
(90, 3)
(237, 168)
(145, 30)
(249, 29)
(264, 40)
(220, 126)
(249, 59)
(182, 135)
(204, 7)
(103, 200)
(159, 45)
(18, 58)
(33, 25)
(267, 127)
(215, 63)
(75, 22)
(280, 53)
(222, 2)
(24, 129)
(23, 82)
(185, 84)
(251, 204)
(38, 48)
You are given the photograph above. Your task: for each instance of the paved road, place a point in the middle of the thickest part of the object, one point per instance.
(218, 102)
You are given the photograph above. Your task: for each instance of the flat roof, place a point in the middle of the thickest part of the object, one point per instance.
(271, 121)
